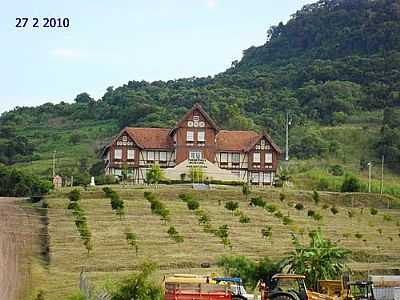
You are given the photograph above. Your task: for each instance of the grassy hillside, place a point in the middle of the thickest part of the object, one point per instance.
(111, 258)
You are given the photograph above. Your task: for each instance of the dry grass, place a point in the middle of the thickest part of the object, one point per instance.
(111, 257)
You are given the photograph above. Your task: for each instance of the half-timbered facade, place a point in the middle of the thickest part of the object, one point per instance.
(196, 140)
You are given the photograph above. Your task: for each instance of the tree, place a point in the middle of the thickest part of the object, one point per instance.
(83, 98)
(154, 175)
(350, 184)
(138, 286)
(320, 259)
(231, 205)
(246, 190)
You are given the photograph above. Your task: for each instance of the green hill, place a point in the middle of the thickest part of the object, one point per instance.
(335, 67)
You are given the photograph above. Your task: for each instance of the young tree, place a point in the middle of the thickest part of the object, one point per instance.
(154, 175)
(321, 259)
(231, 205)
(246, 190)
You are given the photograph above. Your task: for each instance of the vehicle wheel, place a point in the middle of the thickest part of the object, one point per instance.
(238, 297)
(282, 297)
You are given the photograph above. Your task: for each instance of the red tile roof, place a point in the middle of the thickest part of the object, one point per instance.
(235, 140)
(151, 138)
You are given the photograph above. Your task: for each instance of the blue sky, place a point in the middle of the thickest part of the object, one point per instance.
(109, 43)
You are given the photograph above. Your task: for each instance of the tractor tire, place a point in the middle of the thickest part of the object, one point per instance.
(282, 297)
(238, 297)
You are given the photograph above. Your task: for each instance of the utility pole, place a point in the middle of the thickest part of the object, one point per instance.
(369, 176)
(288, 122)
(382, 165)
(54, 163)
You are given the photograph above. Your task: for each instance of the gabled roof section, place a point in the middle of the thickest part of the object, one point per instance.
(268, 138)
(235, 140)
(147, 138)
(198, 107)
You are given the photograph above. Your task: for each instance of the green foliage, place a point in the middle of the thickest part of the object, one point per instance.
(14, 183)
(350, 184)
(278, 215)
(373, 211)
(334, 210)
(244, 219)
(299, 206)
(266, 232)
(196, 174)
(223, 233)
(250, 271)
(231, 205)
(358, 235)
(131, 239)
(282, 197)
(315, 197)
(257, 201)
(387, 218)
(174, 234)
(193, 204)
(310, 213)
(74, 195)
(271, 208)
(138, 285)
(317, 217)
(336, 170)
(246, 190)
(321, 259)
(351, 213)
(157, 207)
(287, 221)
(154, 175)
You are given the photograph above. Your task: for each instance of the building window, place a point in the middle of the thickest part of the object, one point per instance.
(189, 136)
(235, 158)
(118, 172)
(196, 118)
(201, 136)
(256, 157)
(255, 177)
(131, 154)
(150, 155)
(267, 178)
(268, 158)
(224, 157)
(124, 138)
(163, 156)
(195, 155)
(118, 154)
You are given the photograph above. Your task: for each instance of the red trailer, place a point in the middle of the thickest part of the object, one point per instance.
(195, 288)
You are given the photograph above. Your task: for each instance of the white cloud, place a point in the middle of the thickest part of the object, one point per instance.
(66, 54)
(211, 3)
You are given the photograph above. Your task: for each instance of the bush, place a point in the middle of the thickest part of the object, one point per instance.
(350, 184)
(286, 220)
(387, 218)
(336, 170)
(373, 211)
(74, 195)
(351, 214)
(334, 210)
(105, 179)
(299, 206)
(257, 201)
(323, 185)
(315, 197)
(270, 208)
(310, 213)
(174, 234)
(185, 197)
(244, 219)
(317, 217)
(278, 215)
(358, 235)
(325, 206)
(193, 204)
(231, 205)
(282, 197)
(266, 232)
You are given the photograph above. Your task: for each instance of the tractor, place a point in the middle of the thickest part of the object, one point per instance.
(293, 287)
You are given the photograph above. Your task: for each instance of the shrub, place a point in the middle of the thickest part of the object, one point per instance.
(350, 184)
(315, 197)
(380, 231)
(266, 232)
(387, 218)
(334, 210)
(286, 220)
(270, 208)
(107, 191)
(358, 235)
(74, 195)
(185, 197)
(336, 170)
(373, 211)
(282, 197)
(323, 184)
(278, 215)
(317, 217)
(299, 206)
(193, 204)
(310, 213)
(231, 205)
(244, 219)
(325, 206)
(223, 233)
(351, 214)
(131, 239)
(174, 234)
(257, 201)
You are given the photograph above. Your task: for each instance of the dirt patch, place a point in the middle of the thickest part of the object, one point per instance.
(19, 228)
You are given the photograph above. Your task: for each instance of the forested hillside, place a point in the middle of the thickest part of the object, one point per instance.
(335, 63)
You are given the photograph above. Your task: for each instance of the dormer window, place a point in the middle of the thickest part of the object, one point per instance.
(124, 138)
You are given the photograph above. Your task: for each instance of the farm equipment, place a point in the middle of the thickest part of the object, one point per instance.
(188, 287)
(362, 290)
(293, 287)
